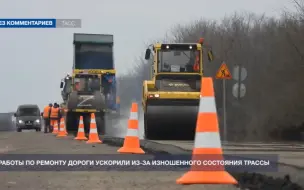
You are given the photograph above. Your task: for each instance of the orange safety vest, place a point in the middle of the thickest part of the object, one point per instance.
(54, 113)
(46, 112)
(196, 65)
(77, 86)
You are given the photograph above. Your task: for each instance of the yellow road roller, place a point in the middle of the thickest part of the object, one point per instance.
(171, 98)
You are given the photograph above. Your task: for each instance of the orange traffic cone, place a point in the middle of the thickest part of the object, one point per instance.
(55, 128)
(93, 136)
(62, 132)
(207, 143)
(80, 134)
(131, 142)
(65, 130)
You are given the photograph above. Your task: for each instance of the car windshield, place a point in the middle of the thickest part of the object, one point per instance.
(178, 61)
(87, 84)
(28, 112)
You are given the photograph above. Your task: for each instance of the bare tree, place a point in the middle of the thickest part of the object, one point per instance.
(272, 50)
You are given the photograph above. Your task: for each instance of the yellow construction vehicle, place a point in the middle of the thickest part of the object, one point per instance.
(171, 99)
(92, 86)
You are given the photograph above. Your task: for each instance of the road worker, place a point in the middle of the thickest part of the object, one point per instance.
(59, 113)
(54, 116)
(193, 63)
(196, 64)
(77, 85)
(46, 116)
(117, 102)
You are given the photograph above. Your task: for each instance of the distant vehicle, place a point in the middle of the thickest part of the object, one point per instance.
(28, 117)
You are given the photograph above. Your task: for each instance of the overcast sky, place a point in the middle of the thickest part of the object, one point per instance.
(33, 61)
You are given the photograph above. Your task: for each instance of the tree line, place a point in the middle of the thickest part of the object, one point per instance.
(272, 51)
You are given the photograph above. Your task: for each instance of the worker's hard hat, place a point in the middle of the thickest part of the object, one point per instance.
(50, 104)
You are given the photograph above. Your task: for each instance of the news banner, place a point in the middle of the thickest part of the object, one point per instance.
(153, 162)
(39, 23)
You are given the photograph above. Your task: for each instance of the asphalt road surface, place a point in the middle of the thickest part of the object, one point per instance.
(40, 143)
(291, 155)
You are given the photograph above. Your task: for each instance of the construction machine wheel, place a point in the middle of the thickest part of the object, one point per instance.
(170, 120)
(100, 104)
(100, 121)
(150, 132)
(86, 121)
(72, 121)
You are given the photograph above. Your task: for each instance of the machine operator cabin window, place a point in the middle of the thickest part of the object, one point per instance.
(87, 84)
(176, 61)
(79, 84)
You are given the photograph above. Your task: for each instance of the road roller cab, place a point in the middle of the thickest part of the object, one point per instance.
(171, 98)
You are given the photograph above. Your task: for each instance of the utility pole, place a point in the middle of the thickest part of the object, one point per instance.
(224, 74)
(224, 110)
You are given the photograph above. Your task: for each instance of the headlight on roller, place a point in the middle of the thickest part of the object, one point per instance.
(153, 96)
(20, 121)
(37, 121)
